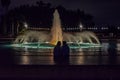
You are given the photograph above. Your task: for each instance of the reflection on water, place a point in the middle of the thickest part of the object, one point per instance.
(34, 60)
(73, 59)
(27, 58)
(77, 57)
(24, 60)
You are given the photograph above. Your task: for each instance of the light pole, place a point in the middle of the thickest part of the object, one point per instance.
(25, 25)
(81, 27)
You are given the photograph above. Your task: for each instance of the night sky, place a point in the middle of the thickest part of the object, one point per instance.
(104, 11)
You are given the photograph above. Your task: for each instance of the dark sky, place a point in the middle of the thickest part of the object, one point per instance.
(104, 11)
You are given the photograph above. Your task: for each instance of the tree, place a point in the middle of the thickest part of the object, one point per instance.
(40, 3)
(5, 4)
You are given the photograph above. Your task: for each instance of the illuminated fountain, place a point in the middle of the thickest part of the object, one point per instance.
(56, 31)
(48, 39)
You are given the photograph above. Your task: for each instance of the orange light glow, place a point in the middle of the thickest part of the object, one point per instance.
(53, 42)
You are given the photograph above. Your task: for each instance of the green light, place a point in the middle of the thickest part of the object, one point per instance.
(36, 45)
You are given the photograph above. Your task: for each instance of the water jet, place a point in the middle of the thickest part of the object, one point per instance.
(48, 39)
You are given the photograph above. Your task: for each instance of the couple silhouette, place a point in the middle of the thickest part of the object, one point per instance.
(61, 53)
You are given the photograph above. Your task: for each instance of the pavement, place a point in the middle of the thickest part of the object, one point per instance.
(59, 72)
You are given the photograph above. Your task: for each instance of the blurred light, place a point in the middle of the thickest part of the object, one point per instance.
(118, 27)
(81, 26)
(26, 25)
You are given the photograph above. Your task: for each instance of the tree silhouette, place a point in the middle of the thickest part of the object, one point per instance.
(41, 15)
(40, 3)
(5, 3)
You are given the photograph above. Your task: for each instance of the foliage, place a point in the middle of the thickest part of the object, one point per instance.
(5, 3)
(41, 15)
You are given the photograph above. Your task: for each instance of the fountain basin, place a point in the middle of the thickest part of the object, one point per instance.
(46, 45)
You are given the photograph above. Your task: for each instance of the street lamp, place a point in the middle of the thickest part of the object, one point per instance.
(25, 25)
(81, 27)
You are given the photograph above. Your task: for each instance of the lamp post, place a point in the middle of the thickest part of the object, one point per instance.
(25, 25)
(81, 27)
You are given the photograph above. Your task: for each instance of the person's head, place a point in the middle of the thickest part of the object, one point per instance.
(58, 43)
(64, 43)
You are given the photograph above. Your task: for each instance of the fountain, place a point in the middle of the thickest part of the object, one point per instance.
(48, 39)
(56, 30)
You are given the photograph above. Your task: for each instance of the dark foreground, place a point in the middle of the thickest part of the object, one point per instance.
(61, 72)
(105, 71)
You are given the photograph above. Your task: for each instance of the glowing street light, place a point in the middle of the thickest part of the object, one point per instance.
(25, 25)
(81, 27)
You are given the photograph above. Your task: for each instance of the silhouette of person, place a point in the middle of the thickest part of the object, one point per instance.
(57, 53)
(65, 52)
